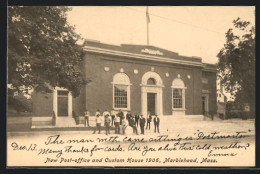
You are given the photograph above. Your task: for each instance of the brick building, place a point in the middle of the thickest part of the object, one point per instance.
(137, 78)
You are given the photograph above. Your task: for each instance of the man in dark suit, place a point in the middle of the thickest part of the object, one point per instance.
(133, 125)
(120, 114)
(156, 121)
(149, 119)
(136, 119)
(128, 116)
(142, 124)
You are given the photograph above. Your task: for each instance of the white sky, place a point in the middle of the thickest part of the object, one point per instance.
(190, 31)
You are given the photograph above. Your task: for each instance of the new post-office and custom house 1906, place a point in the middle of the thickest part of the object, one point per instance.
(135, 78)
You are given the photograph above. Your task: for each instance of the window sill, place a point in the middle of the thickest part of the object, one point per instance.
(122, 109)
(178, 109)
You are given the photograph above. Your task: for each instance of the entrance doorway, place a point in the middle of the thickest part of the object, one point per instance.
(151, 94)
(151, 102)
(205, 105)
(63, 103)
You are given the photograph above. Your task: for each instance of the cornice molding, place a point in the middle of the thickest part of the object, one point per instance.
(146, 57)
(140, 56)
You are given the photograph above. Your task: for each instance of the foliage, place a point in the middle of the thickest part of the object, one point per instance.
(20, 103)
(43, 50)
(237, 62)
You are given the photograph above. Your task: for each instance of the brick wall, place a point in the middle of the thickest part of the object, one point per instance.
(211, 87)
(42, 104)
(99, 93)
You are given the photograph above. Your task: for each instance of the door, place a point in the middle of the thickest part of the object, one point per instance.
(204, 105)
(151, 99)
(63, 103)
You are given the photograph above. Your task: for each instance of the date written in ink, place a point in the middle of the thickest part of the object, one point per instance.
(31, 147)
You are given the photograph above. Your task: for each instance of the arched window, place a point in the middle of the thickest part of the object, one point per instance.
(178, 94)
(121, 91)
(151, 81)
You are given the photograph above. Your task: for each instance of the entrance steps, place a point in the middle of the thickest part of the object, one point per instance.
(66, 122)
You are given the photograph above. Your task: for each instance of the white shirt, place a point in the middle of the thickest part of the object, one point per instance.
(86, 114)
(99, 119)
(117, 119)
(106, 113)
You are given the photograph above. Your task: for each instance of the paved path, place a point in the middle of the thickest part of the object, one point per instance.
(169, 124)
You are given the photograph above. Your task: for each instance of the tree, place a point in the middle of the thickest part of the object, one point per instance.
(43, 50)
(237, 62)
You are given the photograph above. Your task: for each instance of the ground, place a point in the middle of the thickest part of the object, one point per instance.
(208, 143)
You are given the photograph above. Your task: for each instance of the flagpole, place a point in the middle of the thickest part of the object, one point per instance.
(147, 23)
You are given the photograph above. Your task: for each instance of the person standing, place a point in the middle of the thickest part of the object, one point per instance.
(149, 119)
(133, 125)
(156, 121)
(136, 119)
(142, 124)
(98, 124)
(106, 113)
(120, 114)
(107, 124)
(112, 117)
(124, 125)
(97, 112)
(86, 114)
(128, 116)
(117, 122)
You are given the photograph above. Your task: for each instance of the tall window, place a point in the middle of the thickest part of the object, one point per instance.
(178, 94)
(121, 91)
(120, 96)
(177, 98)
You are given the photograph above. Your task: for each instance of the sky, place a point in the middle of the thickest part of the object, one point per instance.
(188, 30)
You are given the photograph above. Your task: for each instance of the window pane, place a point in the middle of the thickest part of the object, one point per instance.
(151, 81)
(120, 96)
(63, 93)
(204, 80)
(177, 98)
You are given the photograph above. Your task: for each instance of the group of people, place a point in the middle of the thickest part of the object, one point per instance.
(120, 122)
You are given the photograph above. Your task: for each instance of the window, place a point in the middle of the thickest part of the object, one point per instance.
(151, 81)
(177, 98)
(120, 96)
(178, 94)
(121, 91)
(204, 80)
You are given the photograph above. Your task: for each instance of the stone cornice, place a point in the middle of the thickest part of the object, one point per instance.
(140, 56)
(147, 57)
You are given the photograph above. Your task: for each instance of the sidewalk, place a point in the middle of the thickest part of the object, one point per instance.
(168, 124)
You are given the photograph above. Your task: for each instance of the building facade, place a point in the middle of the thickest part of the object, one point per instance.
(136, 78)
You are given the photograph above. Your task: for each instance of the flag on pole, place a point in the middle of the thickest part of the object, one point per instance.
(147, 15)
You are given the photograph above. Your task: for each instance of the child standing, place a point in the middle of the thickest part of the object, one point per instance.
(107, 124)
(98, 124)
